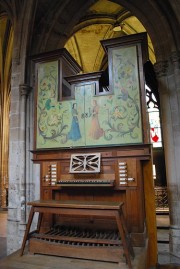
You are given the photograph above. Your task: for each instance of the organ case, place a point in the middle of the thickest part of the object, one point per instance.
(116, 114)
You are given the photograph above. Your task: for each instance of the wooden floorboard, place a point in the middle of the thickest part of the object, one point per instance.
(28, 261)
(168, 266)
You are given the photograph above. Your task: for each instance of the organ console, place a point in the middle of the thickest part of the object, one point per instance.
(120, 179)
(107, 134)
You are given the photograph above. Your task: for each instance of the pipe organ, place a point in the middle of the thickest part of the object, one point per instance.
(91, 140)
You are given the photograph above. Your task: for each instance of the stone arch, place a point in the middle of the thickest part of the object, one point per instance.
(64, 16)
(154, 16)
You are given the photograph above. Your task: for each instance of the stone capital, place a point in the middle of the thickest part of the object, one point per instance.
(24, 89)
(175, 58)
(161, 68)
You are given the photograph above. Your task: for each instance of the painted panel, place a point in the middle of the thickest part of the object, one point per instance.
(126, 87)
(58, 123)
(90, 120)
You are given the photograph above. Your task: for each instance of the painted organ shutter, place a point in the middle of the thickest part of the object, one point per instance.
(89, 117)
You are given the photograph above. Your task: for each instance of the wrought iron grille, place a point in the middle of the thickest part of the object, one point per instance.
(161, 199)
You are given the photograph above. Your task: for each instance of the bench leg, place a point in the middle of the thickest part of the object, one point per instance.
(31, 215)
(39, 221)
(130, 248)
(120, 225)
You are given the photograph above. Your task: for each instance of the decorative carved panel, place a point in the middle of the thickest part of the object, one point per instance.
(85, 163)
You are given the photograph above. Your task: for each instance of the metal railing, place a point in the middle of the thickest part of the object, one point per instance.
(161, 199)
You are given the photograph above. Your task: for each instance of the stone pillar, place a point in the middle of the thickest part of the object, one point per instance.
(18, 126)
(174, 186)
(168, 75)
(24, 91)
(17, 163)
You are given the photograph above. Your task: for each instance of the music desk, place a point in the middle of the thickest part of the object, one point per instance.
(81, 208)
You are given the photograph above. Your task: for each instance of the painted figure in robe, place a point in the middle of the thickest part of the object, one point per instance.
(74, 133)
(95, 131)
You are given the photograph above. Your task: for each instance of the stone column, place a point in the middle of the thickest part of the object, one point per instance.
(24, 91)
(17, 161)
(23, 25)
(169, 90)
(174, 185)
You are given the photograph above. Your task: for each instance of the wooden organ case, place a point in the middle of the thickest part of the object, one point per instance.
(76, 115)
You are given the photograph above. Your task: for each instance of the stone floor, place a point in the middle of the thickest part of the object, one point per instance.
(164, 257)
(162, 233)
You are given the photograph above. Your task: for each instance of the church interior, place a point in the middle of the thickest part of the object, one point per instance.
(89, 134)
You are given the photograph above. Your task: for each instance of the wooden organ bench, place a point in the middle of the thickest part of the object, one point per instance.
(107, 247)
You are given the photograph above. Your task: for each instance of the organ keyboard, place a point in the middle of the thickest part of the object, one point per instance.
(87, 182)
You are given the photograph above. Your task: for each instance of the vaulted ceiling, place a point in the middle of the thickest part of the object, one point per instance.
(80, 25)
(97, 24)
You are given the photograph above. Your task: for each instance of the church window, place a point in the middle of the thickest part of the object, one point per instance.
(154, 118)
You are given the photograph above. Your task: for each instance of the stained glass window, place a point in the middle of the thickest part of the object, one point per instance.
(154, 118)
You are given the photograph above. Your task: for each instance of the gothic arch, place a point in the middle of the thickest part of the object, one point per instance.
(155, 18)
(57, 26)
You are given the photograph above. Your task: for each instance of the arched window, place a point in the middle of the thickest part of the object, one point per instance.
(154, 118)
(153, 104)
